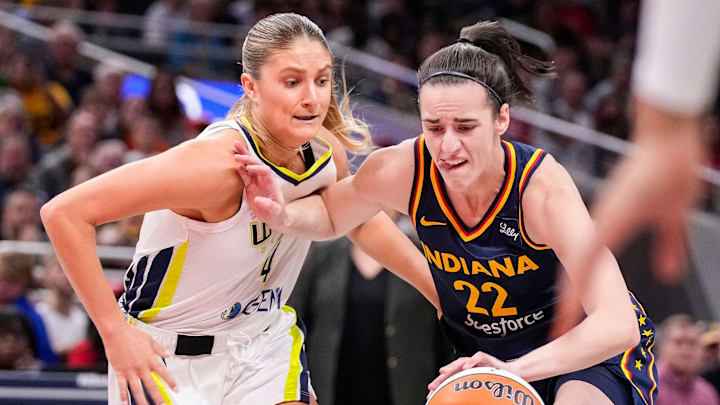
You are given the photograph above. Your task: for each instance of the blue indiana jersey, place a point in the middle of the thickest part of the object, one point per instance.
(497, 287)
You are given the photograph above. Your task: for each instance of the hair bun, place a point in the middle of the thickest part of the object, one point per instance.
(465, 40)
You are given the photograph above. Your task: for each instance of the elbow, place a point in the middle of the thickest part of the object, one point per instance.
(52, 213)
(628, 336)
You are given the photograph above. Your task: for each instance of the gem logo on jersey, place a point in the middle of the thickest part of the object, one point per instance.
(265, 301)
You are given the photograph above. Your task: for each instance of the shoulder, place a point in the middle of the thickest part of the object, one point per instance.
(550, 182)
(387, 175)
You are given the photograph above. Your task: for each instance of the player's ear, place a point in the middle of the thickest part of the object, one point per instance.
(502, 120)
(249, 86)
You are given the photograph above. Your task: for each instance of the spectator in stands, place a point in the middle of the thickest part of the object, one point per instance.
(16, 341)
(13, 116)
(164, 104)
(7, 48)
(158, 18)
(107, 155)
(15, 162)
(372, 338)
(65, 319)
(130, 112)
(54, 172)
(146, 139)
(62, 65)
(678, 364)
(104, 99)
(48, 104)
(15, 282)
(20, 215)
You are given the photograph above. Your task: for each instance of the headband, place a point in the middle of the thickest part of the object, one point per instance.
(464, 76)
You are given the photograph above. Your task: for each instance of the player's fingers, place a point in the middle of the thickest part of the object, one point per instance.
(137, 391)
(159, 350)
(437, 381)
(260, 170)
(240, 148)
(455, 365)
(164, 374)
(123, 390)
(153, 389)
(248, 160)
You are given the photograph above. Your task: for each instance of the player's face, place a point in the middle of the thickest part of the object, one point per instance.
(461, 131)
(293, 92)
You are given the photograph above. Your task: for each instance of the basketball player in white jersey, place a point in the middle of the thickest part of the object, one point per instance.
(202, 319)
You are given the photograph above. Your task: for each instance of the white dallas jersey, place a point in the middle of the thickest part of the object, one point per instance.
(195, 277)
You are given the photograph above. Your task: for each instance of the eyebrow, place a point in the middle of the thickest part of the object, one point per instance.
(460, 120)
(300, 70)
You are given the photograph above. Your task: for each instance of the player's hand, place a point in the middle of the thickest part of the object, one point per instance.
(261, 187)
(134, 356)
(479, 359)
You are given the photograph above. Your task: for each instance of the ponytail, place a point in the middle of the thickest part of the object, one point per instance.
(488, 54)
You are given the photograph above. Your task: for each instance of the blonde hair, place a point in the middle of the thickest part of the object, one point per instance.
(277, 32)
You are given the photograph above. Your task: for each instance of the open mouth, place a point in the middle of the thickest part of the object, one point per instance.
(305, 118)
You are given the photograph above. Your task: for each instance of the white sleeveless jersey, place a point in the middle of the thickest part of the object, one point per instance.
(194, 277)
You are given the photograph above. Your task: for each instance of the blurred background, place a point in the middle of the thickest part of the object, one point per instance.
(89, 85)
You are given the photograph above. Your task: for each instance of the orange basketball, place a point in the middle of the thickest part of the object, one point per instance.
(484, 386)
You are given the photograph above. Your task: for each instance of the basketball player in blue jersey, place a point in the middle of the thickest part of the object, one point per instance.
(495, 220)
(203, 308)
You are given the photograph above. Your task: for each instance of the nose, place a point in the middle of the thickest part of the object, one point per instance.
(310, 95)
(450, 143)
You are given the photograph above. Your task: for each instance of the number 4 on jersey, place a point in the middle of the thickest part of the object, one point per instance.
(268, 261)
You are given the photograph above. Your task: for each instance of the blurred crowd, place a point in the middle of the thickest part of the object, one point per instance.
(64, 121)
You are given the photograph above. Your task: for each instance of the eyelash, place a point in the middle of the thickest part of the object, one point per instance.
(295, 82)
(463, 128)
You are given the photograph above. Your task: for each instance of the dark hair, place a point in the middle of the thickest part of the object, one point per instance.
(486, 52)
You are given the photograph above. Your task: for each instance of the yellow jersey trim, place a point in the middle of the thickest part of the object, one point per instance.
(295, 176)
(485, 223)
(163, 390)
(292, 383)
(420, 176)
(169, 285)
(523, 179)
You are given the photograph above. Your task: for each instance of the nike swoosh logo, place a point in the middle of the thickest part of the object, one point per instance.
(425, 222)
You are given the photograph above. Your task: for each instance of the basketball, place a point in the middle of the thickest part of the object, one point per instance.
(484, 386)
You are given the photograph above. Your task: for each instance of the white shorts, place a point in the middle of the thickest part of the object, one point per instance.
(270, 368)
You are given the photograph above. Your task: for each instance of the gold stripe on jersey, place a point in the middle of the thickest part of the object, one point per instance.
(628, 375)
(523, 180)
(504, 194)
(650, 371)
(297, 177)
(420, 176)
(169, 285)
(292, 382)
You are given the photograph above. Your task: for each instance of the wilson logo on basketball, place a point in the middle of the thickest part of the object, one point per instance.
(516, 396)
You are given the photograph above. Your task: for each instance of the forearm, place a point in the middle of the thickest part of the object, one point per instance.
(579, 348)
(74, 243)
(380, 238)
(334, 213)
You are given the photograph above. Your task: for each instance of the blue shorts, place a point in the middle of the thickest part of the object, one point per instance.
(617, 389)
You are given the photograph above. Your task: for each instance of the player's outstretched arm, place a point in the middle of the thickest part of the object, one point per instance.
(334, 212)
(556, 215)
(351, 206)
(185, 177)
